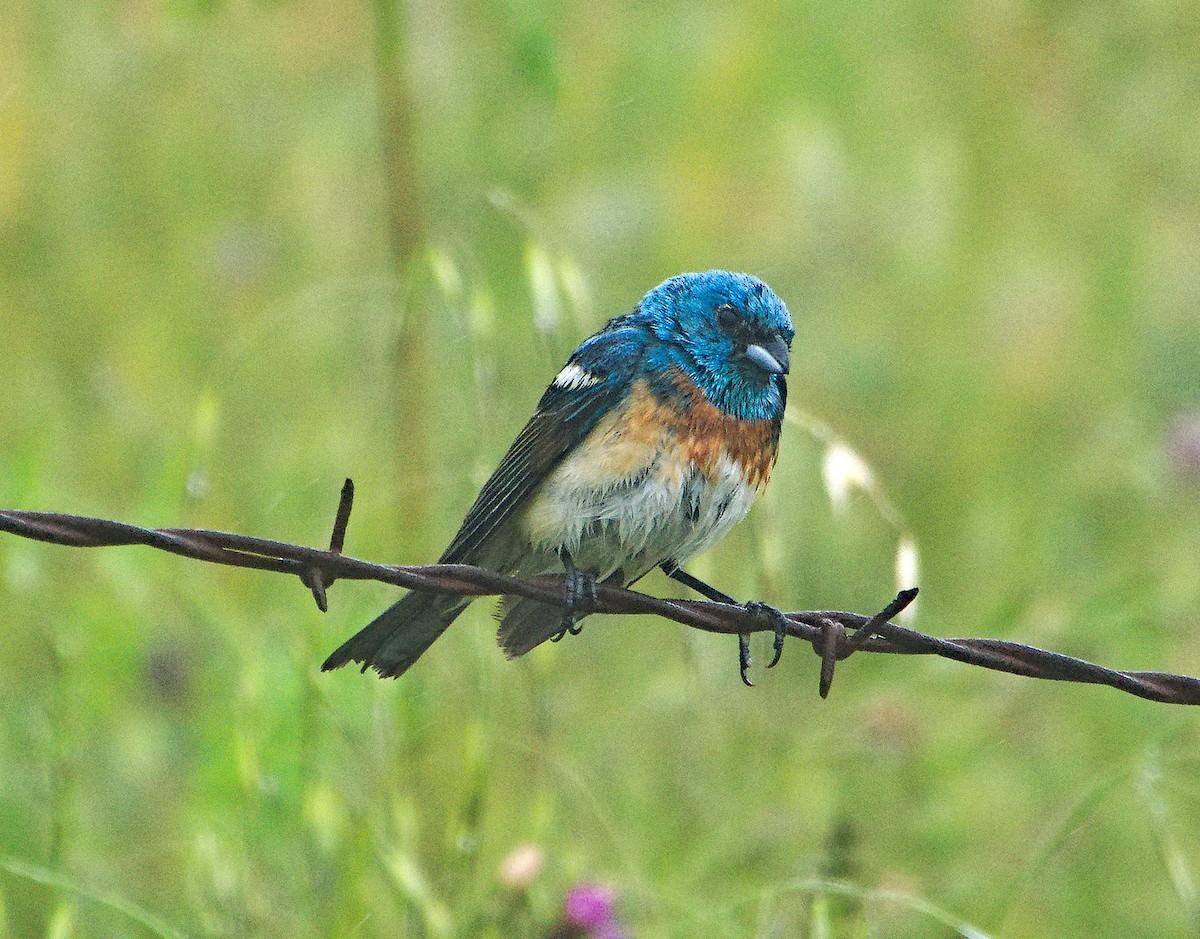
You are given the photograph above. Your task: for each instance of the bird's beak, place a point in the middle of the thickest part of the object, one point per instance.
(771, 357)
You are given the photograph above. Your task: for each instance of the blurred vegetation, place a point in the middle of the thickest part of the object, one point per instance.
(250, 248)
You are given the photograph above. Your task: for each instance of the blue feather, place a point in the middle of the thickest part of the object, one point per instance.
(728, 335)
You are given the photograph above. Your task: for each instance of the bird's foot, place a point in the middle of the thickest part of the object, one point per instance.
(580, 587)
(780, 624)
(778, 621)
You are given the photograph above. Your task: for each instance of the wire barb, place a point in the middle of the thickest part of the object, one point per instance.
(833, 635)
(313, 575)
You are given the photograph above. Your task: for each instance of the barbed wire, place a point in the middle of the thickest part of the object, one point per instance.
(834, 635)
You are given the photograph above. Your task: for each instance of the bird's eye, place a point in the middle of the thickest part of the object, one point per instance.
(727, 316)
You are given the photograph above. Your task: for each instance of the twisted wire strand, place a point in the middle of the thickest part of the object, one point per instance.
(834, 635)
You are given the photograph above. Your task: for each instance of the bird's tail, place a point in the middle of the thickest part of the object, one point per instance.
(399, 635)
(526, 623)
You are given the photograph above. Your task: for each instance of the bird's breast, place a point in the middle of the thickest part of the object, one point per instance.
(656, 479)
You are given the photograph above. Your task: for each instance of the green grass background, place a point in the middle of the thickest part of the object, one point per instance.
(250, 248)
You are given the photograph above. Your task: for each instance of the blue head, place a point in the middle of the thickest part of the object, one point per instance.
(728, 333)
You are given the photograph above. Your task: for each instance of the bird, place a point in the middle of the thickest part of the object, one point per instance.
(650, 444)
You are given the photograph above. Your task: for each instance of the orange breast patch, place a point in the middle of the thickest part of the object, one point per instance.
(701, 431)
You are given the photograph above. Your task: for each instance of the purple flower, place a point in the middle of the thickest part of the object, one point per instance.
(592, 907)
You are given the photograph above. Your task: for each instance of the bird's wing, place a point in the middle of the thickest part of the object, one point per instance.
(595, 379)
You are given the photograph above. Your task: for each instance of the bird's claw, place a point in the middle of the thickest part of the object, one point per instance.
(580, 587)
(744, 658)
(778, 621)
(780, 624)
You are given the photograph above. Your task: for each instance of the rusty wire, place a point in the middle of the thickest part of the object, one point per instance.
(833, 635)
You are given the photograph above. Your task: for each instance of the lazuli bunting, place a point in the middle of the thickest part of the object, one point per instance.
(651, 443)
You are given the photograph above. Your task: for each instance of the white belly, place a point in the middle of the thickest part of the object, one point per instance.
(664, 509)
